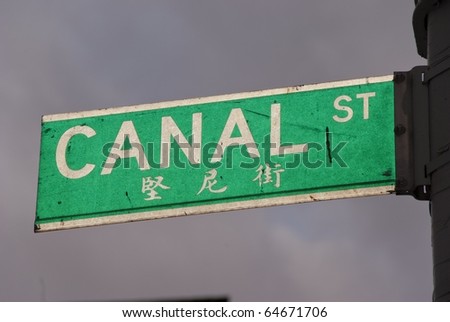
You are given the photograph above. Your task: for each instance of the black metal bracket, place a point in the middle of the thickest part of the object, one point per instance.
(412, 143)
(436, 70)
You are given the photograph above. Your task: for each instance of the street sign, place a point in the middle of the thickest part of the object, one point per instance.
(265, 148)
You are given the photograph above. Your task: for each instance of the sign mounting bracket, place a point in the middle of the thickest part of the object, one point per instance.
(412, 133)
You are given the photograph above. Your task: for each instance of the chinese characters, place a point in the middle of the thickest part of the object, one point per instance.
(149, 186)
(265, 174)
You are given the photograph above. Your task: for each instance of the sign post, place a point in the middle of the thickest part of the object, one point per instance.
(432, 26)
(265, 148)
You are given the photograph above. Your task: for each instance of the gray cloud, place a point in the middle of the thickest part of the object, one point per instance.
(63, 56)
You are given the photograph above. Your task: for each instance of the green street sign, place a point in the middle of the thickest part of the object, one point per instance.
(230, 152)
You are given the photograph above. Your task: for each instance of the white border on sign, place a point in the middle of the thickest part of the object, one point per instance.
(198, 210)
(219, 98)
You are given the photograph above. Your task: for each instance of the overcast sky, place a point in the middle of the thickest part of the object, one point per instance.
(67, 56)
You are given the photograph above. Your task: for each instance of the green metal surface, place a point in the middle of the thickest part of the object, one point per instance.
(346, 130)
